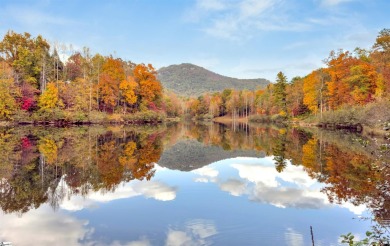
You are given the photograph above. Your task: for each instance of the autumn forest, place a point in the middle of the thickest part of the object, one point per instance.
(54, 83)
(143, 134)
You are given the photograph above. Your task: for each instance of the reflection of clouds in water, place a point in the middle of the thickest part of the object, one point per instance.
(260, 180)
(293, 238)
(141, 242)
(305, 194)
(43, 227)
(207, 173)
(149, 189)
(354, 209)
(297, 175)
(156, 190)
(234, 186)
(196, 232)
(288, 197)
(178, 238)
(268, 175)
(257, 173)
(201, 180)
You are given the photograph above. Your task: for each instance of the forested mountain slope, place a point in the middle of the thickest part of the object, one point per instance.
(191, 80)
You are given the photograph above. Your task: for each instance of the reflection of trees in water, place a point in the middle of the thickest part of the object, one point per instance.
(36, 164)
(36, 168)
(279, 151)
(354, 171)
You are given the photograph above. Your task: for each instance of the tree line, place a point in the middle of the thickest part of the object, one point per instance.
(348, 79)
(36, 79)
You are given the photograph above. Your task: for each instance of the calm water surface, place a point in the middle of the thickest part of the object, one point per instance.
(188, 184)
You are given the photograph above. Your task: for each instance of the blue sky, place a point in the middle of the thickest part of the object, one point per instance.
(237, 38)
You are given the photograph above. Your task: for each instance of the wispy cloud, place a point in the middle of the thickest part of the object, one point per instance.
(210, 5)
(236, 20)
(196, 232)
(28, 16)
(334, 2)
(254, 8)
(151, 189)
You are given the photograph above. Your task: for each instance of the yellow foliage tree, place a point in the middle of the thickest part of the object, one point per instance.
(128, 88)
(128, 159)
(314, 90)
(7, 101)
(49, 99)
(49, 149)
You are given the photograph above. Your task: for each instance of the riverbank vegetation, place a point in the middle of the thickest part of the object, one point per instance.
(39, 84)
(353, 88)
(52, 84)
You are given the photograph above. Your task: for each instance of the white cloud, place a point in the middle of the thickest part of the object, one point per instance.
(251, 8)
(207, 171)
(43, 227)
(156, 190)
(234, 186)
(257, 173)
(288, 197)
(141, 242)
(196, 232)
(225, 28)
(236, 20)
(149, 189)
(201, 180)
(293, 188)
(28, 16)
(293, 238)
(178, 238)
(353, 208)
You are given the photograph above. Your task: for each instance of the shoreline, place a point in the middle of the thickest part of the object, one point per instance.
(336, 126)
(358, 127)
(85, 123)
(228, 120)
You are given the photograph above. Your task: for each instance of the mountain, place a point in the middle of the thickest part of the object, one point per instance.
(191, 80)
(187, 155)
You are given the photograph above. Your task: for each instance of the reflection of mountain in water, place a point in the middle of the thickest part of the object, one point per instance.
(187, 155)
(89, 159)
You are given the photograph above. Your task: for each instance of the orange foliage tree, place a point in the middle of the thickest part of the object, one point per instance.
(110, 78)
(149, 88)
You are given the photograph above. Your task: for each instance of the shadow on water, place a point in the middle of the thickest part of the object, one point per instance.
(35, 161)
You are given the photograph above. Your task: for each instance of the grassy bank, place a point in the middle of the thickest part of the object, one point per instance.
(227, 119)
(268, 119)
(373, 118)
(59, 118)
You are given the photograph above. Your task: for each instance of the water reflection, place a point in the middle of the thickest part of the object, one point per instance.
(88, 168)
(153, 189)
(195, 232)
(44, 227)
(259, 180)
(86, 159)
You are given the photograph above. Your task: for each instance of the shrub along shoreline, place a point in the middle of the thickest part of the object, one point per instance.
(64, 118)
(372, 118)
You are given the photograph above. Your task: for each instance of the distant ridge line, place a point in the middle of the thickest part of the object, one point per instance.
(191, 80)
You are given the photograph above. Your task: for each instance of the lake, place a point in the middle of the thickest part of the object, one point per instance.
(189, 184)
